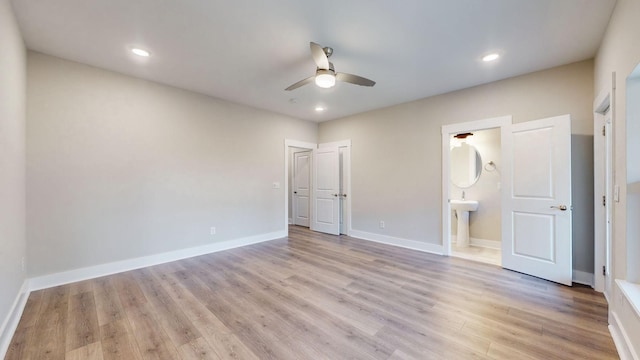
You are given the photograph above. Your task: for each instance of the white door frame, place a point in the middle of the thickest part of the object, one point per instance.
(603, 167)
(346, 146)
(502, 122)
(288, 143)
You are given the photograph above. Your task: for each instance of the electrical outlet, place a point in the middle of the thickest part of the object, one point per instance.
(381, 224)
(276, 185)
(213, 230)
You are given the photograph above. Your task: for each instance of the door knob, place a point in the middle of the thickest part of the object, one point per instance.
(336, 195)
(295, 192)
(560, 207)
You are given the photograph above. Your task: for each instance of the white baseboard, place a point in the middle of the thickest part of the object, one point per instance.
(66, 277)
(621, 340)
(10, 324)
(404, 243)
(484, 243)
(584, 278)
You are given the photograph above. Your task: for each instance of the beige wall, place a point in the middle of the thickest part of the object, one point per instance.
(620, 53)
(396, 151)
(12, 162)
(119, 168)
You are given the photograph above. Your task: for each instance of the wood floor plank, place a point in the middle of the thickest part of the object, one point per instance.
(108, 305)
(198, 349)
(118, 341)
(51, 326)
(91, 351)
(82, 328)
(170, 316)
(315, 296)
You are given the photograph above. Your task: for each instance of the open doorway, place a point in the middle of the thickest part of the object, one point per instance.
(472, 176)
(475, 179)
(318, 186)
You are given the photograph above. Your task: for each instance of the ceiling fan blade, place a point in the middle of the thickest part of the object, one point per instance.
(319, 57)
(355, 79)
(301, 83)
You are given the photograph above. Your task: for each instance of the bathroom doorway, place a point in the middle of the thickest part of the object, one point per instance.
(535, 188)
(475, 178)
(472, 182)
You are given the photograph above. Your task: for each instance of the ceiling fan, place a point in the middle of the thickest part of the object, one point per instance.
(326, 75)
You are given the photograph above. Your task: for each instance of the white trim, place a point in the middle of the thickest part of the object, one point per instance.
(341, 143)
(66, 277)
(582, 277)
(483, 243)
(299, 144)
(486, 243)
(632, 292)
(602, 116)
(290, 221)
(10, 324)
(621, 339)
(403, 243)
(483, 124)
(501, 122)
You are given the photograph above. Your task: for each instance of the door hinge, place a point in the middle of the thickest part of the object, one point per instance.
(604, 130)
(604, 270)
(604, 200)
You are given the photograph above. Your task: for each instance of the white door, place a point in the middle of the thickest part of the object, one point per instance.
(301, 187)
(537, 206)
(326, 203)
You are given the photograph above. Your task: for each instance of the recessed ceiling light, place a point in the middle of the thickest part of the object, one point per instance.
(319, 108)
(490, 57)
(140, 52)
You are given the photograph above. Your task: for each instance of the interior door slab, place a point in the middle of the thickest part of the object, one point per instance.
(537, 238)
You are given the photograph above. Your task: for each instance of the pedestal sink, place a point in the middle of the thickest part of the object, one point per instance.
(462, 208)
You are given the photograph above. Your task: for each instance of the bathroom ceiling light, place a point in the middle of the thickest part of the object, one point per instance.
(319, 109)
(140, 52)
(490, 57)
(463, 135)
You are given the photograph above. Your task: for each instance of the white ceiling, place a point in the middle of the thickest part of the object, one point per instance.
(248, 51)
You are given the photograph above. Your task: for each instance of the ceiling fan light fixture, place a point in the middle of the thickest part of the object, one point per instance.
(325, 79)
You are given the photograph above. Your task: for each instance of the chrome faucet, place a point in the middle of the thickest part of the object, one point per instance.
(462, 194)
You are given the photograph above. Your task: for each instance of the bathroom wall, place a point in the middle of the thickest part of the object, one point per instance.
(484, 224)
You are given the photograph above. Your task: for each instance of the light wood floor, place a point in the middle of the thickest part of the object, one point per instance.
(315, 296)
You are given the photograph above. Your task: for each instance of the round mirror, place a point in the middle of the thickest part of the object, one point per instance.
(466, 165)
